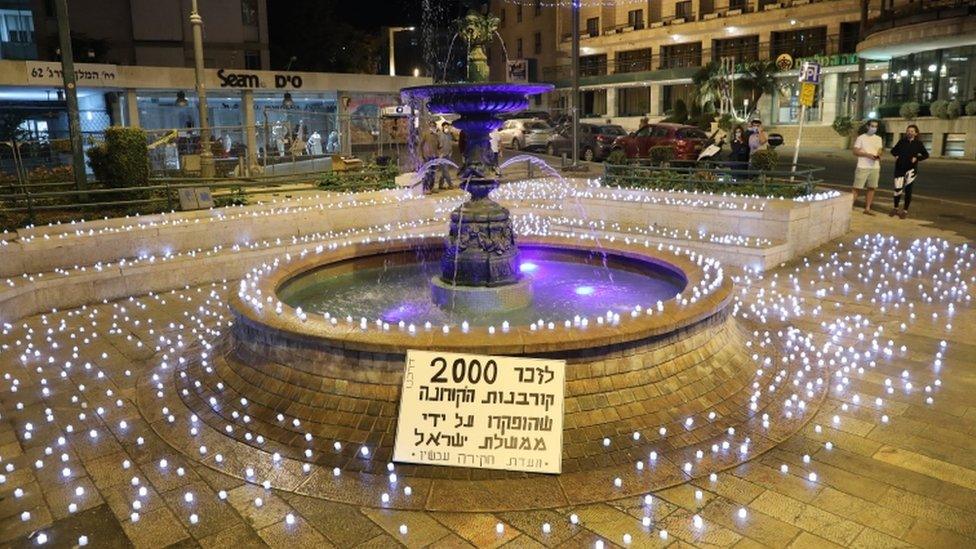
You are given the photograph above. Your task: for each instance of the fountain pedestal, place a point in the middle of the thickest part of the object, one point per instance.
(480, 265)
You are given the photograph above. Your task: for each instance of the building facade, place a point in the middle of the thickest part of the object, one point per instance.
(638, 59)
(138, 32)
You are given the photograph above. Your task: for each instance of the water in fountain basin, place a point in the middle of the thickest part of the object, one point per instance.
(563, 286)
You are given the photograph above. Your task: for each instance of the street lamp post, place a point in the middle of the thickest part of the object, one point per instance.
(394, 30)
(574, 105)
(206, 155)
(71, 95)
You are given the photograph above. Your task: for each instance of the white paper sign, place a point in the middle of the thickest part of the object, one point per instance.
(487, 412)
(86, 74)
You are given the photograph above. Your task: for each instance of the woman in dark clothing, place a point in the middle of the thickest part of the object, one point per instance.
(739, 154)
(908, 152)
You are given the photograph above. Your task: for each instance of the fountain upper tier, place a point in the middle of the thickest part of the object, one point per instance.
(482, 99)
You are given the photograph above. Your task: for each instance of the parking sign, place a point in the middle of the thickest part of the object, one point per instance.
(810, 72)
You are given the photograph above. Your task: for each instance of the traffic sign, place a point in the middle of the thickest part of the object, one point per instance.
(810, 72)
(808, 93)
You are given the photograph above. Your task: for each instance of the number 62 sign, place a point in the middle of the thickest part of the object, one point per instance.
(489, 412)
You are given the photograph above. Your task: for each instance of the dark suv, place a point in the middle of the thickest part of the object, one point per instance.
(595, 140)
(687, 141)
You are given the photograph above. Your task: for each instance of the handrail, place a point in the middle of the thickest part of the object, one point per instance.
(710, 177)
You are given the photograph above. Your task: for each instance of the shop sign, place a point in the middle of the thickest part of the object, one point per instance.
(486, 412)
(784, 62)
(86, 74)
(228, 78)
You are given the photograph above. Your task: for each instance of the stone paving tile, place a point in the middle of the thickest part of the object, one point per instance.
(235, 537)
(155, 528)
(478, 529)
(807, 517)
(299, 534)
(612, 525)
(872, 539)
(422, 529)
(759, 527)
(806, 540)
(343, 525)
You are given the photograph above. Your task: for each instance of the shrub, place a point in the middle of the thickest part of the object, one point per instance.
(726, 122)
(617, 157)
(889, 110)
(763, 160)
(122, 160)
(371, 177)
(843, 125)
(679, 114)
(661, 154)
(940, 109)
(954, 109)
(909, 110)
(971, 108)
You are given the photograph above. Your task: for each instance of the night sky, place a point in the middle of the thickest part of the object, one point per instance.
(347, 35)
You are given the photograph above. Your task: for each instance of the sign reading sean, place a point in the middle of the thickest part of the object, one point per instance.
(487, 412)
(248, 80)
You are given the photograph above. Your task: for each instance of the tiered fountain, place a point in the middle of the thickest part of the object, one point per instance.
(480, 265)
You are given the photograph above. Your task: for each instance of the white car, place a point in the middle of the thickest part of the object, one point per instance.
(524, 133)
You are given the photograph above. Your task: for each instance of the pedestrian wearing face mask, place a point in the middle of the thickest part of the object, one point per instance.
(908, 152)
(867, 149)
(757, 136)
(739, 149)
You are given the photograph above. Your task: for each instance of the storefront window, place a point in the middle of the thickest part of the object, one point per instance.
(671, 94)
(786, 102)
(930, 75)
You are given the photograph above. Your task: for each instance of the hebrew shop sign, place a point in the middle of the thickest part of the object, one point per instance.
(487, 412)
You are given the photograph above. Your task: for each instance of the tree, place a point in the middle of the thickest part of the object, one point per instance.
(759, 79)
(322, 41)
(708, 84)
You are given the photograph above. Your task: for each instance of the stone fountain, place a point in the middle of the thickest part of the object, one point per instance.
(480, 265)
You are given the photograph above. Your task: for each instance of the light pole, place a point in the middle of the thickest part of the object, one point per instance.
(574, 105)
(71, 95)
(206, 155)
(394, 30)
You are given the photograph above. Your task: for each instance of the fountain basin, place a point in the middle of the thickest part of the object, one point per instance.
(521, 338)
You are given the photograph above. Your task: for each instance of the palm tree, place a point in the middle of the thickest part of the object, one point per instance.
(759, 78)
(708, 84)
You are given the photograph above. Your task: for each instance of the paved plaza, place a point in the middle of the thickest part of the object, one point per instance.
(866, 343)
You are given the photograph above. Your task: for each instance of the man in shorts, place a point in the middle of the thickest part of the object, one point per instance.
(867, 149)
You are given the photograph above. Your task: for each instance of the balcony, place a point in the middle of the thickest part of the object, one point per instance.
(919, 26)
(683, 64)
(18, 50)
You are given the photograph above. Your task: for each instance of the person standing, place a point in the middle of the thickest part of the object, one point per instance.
(867, 149)
(445, 148)
(757, 137)
(739, 149)
(908, 152)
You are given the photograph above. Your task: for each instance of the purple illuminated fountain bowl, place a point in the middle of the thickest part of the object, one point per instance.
(704, 298)
(479, 99)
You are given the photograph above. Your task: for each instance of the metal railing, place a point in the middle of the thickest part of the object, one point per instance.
(25, 204)
(909, 13)
(832, 45)
(713, 177)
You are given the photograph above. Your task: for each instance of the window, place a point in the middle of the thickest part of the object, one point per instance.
(681, 55)
(252, 59)
(684, 10)
(850, 32)
(593, 65)
(593, 26)
(249, 12)
(800, 43)
(739, 5)
(635, 18)
(17, 26)
(633, 60)
(633, 101)
(537, 10)
(518, 49)
(537, 47)
(742, 49)
(518, 13)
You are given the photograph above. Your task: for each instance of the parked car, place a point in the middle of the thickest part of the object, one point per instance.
(687, 141)
(528, 115)
(525, 134)
(595, 140)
